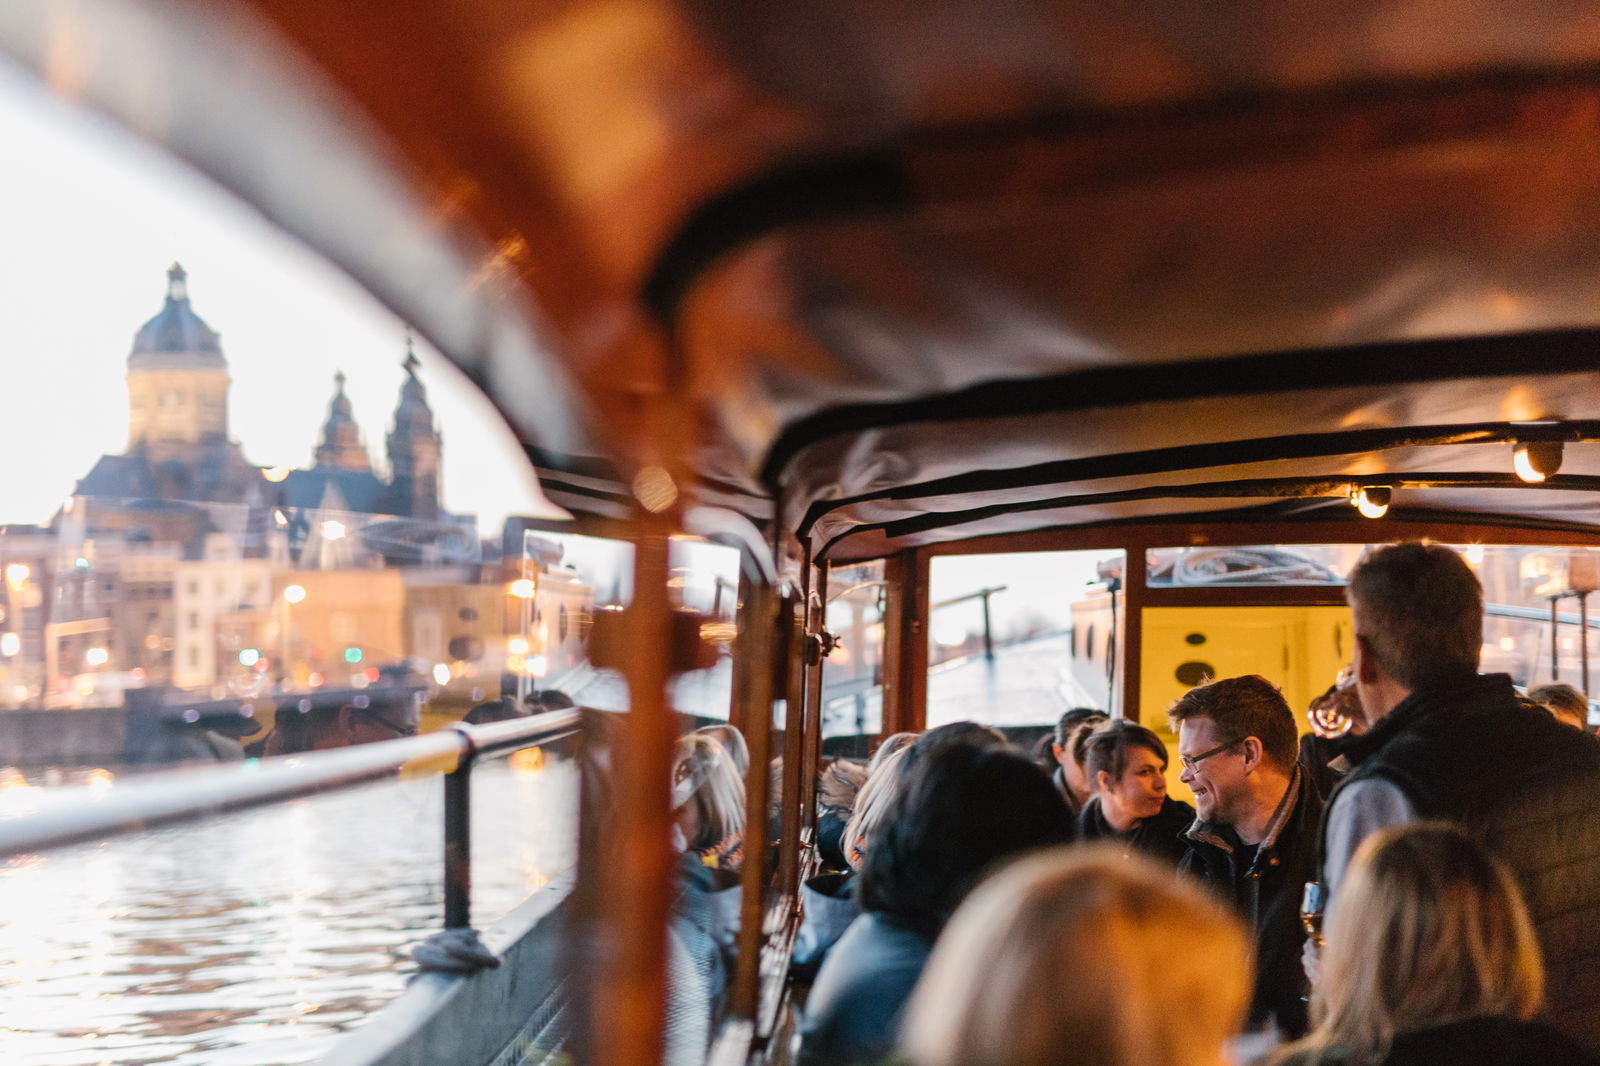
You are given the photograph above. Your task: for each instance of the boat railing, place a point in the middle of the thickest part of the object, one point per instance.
(75, 815)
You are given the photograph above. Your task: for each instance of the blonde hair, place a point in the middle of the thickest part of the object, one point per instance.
(872, 803)
(732, 742)
(1078, 955)
(704, 775)
(1427, 928)
(891, 744)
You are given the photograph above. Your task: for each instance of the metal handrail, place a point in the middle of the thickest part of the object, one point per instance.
(72, 816)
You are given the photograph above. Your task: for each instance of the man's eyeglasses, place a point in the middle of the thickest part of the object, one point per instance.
(1191, 761)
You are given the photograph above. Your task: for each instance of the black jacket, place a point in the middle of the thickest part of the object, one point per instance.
(1266, 891)
(1469, 1042)
(1487, 1042)
(1159, 837)
(1059, 779)
(1465, 750)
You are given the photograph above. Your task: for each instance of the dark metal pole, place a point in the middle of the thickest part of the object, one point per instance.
(1583, 639)
(1555, 650)
(988, 629)
(458, 845)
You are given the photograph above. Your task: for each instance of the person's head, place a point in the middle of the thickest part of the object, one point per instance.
(872, 803)
(1064, 749)
(959, 811)
(1233, 736)
(500, 710)
(891, 744)
(707, 793)
(1082, 956)
(338, 720)
(972, 733)
(732, 742)
(1418, 615)
(1426, 928)
(1564, 702)
(1128, 765)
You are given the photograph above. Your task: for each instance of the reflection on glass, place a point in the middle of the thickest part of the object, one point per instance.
(852, 677)
(1207, 567)
(1018, 639)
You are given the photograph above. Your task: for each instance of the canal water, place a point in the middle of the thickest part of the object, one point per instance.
(258, 938)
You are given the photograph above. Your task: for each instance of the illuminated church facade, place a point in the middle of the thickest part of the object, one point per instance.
(183, 480)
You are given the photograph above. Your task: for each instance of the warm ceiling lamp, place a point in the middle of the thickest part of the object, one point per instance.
(1536, 460)
(1371, 500)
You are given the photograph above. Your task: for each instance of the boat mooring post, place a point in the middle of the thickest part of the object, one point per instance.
(458, 843)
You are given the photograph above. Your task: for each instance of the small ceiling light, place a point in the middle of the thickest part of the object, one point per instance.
(1371, 500)
(1536, 460)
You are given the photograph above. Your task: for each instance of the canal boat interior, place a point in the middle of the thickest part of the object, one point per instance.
(872, 285)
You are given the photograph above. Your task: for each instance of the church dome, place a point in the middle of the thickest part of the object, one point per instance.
(176, 331)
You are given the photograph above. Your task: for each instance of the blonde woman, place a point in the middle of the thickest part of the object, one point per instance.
(1430, 958)
(1079, 955)
(708, 798)
(874, 799)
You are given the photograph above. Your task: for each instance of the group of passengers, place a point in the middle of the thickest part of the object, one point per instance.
(987, 913)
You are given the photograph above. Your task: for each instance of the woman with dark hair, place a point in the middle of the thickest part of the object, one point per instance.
(1128, 764)
(962, 808)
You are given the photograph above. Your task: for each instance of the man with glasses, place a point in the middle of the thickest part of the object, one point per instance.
(1254, 842)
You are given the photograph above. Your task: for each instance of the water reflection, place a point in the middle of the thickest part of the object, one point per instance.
(258, 938)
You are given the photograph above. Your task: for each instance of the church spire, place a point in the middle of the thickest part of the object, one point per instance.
(177, 283)
(341, 445)
(414, 446)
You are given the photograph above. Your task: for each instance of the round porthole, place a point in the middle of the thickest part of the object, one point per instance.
(1195, 638)
(1194, 673)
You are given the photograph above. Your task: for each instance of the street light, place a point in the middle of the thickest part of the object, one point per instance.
(17, 575)
(332, 530)
(96, 656)
(523, 589)
(10, 644)
(292, 594)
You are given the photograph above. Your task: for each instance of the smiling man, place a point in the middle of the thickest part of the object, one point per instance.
(1254, 842)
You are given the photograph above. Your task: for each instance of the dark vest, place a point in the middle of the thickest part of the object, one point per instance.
(1526, 785)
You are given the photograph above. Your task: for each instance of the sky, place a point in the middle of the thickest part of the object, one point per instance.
(90, 219)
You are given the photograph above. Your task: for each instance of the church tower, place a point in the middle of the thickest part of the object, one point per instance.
(177, 380)
(341, 446)
(415, 448)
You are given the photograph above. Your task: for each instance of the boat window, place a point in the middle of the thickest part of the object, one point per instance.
(1017, 639)
(1535, 598)
(852, 677)
(1259, 564)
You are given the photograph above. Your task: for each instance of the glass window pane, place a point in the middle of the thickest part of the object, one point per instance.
(852, 676)
(1017, 639)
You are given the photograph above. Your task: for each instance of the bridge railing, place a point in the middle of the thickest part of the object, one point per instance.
(72, 816)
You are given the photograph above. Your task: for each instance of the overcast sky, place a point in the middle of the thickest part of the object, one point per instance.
(90, 218)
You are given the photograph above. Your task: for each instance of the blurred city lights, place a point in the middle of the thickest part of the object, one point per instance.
(522, 589)
(332, 530)
(10, 644)
(17, 575)
(96, 656)
(275, 474)
(294, 594)
(249, 657)
(517, 645)
(441, 674)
